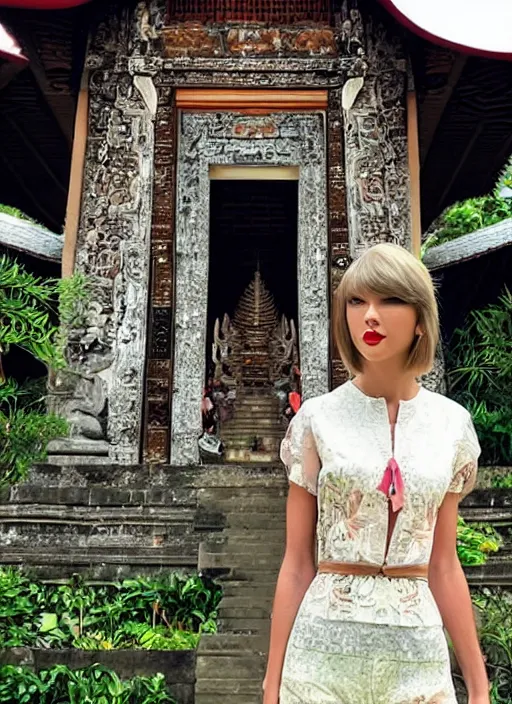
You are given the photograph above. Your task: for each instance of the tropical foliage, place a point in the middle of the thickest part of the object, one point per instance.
(92, 685)
(472, 214)
(168, 613)
(495, 616)
(476, 542)
(479, 364)
(28, 321)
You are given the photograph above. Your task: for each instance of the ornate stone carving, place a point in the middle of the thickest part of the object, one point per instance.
(255, 356)
(107, 356)
(376, 156)
(435, 380)
(128, 70)
(296, 139)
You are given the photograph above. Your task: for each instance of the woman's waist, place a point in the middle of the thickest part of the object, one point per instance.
(369, 569)
(399, 601)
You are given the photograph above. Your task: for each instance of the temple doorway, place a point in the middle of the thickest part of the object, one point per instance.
(213, 261)
(252, 360)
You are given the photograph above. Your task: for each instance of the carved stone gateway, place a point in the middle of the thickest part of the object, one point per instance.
(284, 139)
(144, 227)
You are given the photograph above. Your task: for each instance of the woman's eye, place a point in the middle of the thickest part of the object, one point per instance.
(354, 301)
(394, 300)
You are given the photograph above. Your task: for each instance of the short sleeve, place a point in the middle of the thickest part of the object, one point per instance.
(466, 461)
(299, 453)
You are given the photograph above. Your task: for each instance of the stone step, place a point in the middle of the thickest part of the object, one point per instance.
(249, 590)
(247, 574)
(232, 644)
(255, 421)
(256, 601)
(248, 667)
(275, 537)
(251, 520)
(65, 513)
(231, 504)
(231, 684)
(500, 514)
(259, 626)
(497, 572)
(147, 477)
(242, 544)
(210, 698)
(97, 562)
(245, 612)
(240, 561)
(31, 493)
(87, 534)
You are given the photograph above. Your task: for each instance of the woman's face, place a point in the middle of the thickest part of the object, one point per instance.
(382, 328)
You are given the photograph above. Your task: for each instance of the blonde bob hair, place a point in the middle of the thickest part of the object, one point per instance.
(388, 270)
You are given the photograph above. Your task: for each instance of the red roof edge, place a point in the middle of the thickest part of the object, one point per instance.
(42, 4)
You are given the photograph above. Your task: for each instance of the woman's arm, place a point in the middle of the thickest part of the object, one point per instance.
(295, 576)
(451, 592)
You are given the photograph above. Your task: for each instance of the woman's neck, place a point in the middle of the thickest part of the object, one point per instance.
(393, 385)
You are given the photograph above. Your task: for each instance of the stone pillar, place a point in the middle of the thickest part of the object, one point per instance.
(101, 393)
(375, 127)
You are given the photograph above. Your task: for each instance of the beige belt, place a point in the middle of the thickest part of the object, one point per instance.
(363, 569)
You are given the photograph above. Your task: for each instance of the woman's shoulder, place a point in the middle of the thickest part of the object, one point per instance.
(326, 402)
(444, 407)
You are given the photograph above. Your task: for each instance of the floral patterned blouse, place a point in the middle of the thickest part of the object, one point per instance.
(338, 447)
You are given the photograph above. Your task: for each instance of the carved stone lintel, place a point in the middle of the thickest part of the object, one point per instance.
(205, 138)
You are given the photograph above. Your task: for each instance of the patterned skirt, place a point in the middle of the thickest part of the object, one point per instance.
(343, 662)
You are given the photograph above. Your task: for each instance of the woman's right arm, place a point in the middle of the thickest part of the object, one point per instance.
(296, 574)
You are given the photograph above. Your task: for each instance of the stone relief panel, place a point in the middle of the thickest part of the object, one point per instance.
(376, 157)
(223, 138)
(158, 396)
(101, 393)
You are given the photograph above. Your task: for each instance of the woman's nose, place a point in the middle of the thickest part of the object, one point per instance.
(372, 316)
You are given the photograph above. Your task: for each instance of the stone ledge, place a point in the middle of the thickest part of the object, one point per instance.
(145, 476)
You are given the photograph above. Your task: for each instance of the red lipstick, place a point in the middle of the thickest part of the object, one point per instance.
(371, 337)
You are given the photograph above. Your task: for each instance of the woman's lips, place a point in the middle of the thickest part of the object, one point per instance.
(373, 338)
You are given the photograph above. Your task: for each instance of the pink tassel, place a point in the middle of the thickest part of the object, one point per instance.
(392, 485)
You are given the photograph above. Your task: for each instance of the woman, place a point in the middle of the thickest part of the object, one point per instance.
(377, 469)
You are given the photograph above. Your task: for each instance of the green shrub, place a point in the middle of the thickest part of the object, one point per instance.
(502, 482)
(495, 616)
(165, 613)
(475, 542)
(472, 214)
(92, 685)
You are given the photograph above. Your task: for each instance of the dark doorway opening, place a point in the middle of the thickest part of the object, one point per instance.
(253, 224)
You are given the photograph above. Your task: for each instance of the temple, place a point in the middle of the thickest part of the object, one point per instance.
(236, 160)
(215, 167)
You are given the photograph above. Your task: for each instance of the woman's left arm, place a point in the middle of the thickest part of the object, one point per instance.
(451, 592)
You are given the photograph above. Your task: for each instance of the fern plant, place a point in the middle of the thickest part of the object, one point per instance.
(26, 306)
(479, 363)
(29, 320)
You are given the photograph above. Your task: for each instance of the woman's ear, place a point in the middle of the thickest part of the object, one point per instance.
(419, 331)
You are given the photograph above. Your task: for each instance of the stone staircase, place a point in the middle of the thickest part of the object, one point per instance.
(256, 416)
(108, 522)
(111, 522)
